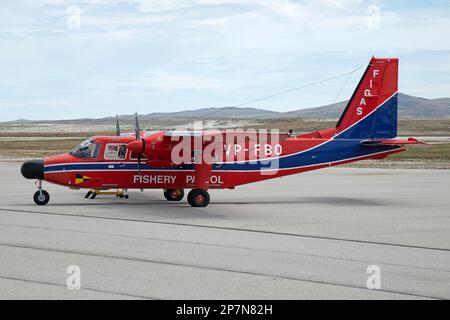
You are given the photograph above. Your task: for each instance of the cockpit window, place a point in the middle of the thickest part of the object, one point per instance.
(88, 149)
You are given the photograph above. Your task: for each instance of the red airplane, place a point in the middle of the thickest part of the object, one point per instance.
(202, 160)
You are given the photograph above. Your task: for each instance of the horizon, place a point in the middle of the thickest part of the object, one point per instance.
(84, 59)
(197, 109)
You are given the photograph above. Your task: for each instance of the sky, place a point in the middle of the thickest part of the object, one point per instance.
(65, 59)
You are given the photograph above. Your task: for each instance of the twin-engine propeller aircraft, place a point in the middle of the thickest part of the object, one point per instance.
(203, 160)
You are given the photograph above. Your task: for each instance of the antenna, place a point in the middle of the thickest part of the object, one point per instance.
(117, 126)
(137, 130)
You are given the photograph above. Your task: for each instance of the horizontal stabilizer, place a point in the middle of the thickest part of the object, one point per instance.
(391, 142)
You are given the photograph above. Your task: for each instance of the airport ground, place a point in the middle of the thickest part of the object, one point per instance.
(308, 236)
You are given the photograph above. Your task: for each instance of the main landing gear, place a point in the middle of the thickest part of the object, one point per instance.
(196, 197)
(41, 197)
(173, 194)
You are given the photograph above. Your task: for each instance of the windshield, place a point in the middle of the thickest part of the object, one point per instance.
(88, 149)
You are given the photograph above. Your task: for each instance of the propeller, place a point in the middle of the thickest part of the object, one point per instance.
(117, 126)
(137, 146)
(137, 130)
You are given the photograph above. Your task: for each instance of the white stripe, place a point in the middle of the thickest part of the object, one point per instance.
(244, 161)
(313, 165)
(369, 113)
(96, 162)
(116, 170)
(325, 142)
(215, 170)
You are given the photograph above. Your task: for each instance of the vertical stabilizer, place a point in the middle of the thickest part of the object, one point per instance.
(372, 110)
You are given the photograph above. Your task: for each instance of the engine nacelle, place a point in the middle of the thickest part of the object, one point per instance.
(160, 163)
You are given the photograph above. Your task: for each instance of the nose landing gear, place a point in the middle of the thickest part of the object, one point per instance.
(41, 197)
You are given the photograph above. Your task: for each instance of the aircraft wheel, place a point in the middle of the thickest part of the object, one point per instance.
(174, 194)
(41, 199)
(198, 198)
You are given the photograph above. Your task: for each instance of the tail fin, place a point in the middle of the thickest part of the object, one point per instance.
(372, 109)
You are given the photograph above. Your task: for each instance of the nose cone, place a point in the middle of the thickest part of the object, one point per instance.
(33, 169)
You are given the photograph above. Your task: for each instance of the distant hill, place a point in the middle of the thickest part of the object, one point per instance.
(219, 113)
(415, 107)
(409, 107)
(331, 111)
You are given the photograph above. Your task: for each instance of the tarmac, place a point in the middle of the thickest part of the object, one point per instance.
(314, 235)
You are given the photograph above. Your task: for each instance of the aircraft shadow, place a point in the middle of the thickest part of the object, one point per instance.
(335, 201)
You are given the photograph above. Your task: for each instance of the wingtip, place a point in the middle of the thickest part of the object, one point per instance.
(417, 141)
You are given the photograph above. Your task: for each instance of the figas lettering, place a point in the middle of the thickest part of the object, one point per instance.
(367, 93)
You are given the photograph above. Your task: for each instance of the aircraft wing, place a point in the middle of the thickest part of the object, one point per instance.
(253, 136)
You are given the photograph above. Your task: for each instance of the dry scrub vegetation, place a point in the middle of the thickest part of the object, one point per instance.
(36, 140)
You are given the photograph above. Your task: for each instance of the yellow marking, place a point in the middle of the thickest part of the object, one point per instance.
(80, 179)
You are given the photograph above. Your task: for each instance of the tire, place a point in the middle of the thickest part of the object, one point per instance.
(198, 198)
(173, 194)
(41, 200)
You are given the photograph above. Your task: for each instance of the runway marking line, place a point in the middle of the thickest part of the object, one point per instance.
(214, 269)
(82, 289)
(228, 228)
(221, 246)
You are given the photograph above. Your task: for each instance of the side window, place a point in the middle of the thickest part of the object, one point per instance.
(115, 151)
(134, 156)
(94, 149)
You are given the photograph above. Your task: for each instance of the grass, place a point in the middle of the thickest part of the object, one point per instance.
(20, 146)
(426, 127)
(36, 148)
(411, 127)
(438, 152)
(58, 134)
(406, 127)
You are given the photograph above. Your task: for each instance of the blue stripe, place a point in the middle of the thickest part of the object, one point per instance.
(332, 151)
(380, 124)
